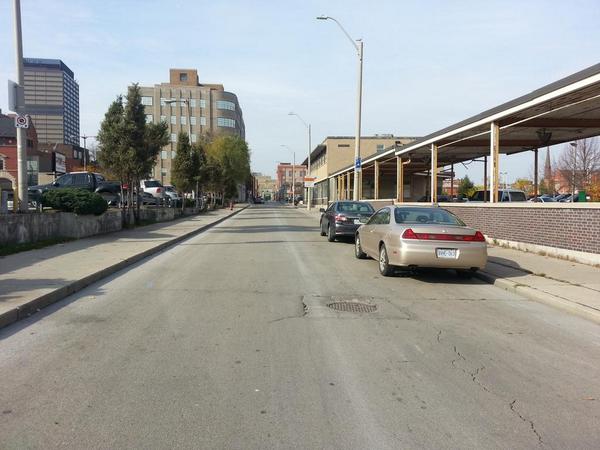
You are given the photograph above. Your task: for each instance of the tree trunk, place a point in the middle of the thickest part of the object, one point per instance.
(137, 204)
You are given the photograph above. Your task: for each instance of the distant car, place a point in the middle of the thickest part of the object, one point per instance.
(172, 196)
(258, 200)
(420, 236)
(154, 188)
(343, 218)
(560, 197)
(504, 195)
(543, 199)
(148, 199)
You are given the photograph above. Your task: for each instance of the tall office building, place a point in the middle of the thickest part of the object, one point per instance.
(52, 100)
(212, 111)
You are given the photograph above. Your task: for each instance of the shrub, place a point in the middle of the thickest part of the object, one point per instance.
(79, 201)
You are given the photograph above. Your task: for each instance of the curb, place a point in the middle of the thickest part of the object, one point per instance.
(31, 307)
(536, 295)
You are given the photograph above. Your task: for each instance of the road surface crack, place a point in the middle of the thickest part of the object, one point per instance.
(473, 375)
(530, 422)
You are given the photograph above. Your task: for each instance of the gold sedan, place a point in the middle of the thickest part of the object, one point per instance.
(420, 236)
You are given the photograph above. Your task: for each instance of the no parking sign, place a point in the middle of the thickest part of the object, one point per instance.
(21, 121)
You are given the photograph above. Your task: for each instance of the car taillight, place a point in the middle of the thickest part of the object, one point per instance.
(158, 191)
(340, 218)
(410, 234)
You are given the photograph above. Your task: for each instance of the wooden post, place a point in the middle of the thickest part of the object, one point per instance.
(535, 173)
(452, 181)
(485, 179)
(494, 166)
(434, 172)
(360, 185)
(349, 181)
(376, 193)
(399, 180)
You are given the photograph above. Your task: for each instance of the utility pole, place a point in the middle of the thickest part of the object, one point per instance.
(21, 132)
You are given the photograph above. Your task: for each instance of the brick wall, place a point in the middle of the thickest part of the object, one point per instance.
(562, 227)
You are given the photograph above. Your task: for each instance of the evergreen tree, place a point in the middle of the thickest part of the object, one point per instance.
(186, 166)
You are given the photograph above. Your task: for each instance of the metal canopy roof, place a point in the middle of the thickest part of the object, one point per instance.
(563, 111)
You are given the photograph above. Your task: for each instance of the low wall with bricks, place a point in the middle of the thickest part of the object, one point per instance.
(562, 226)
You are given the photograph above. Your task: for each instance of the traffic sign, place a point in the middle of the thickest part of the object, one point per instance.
(357, 164)
(309, 182)
(16, 96)
(21, 121)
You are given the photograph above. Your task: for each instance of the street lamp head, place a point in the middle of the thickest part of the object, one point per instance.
(322, 17)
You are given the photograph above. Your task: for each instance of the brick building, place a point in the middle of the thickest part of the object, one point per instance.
(285, 173)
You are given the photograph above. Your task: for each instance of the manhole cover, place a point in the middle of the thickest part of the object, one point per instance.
(355, 307)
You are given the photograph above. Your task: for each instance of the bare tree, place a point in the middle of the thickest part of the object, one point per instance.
(579, 164)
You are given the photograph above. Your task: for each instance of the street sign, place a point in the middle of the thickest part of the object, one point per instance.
(16, 96)
(357, 164)
(21, 121)
(59, 163)
(309, 182)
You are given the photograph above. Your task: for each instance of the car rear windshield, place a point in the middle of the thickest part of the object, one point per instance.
(426, 215)
(355, 207)
(152, 183)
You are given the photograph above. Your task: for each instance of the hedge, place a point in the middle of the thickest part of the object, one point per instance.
(79, 201)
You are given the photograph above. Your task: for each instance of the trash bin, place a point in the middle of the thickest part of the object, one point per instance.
(581, 196)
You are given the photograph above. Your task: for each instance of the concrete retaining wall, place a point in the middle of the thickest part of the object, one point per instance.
(21, 228)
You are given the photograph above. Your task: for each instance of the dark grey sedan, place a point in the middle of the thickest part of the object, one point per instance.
(343, 218)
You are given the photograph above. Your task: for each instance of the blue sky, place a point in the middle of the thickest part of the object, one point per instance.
(428, 64)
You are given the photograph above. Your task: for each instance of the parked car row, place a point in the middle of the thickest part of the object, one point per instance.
(406, 237)
(151, 192)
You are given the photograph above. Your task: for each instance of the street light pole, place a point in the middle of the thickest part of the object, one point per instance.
(21, 132)
(307, 125)
(358, 46)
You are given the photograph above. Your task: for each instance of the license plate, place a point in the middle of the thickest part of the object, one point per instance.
(446, 253)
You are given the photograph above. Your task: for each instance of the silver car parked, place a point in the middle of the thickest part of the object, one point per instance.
(420, 236)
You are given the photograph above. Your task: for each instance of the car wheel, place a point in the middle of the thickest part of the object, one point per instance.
(358, 251)
(323, 233)
(385, 268)
(331, 233)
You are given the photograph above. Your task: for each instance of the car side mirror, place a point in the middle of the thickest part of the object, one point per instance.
(321, 210)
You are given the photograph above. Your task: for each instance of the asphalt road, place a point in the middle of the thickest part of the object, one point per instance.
(209, 345)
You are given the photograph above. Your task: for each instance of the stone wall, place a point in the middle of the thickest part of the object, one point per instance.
(21, 228)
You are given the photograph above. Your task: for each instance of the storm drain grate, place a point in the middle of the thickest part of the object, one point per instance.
(354, 307)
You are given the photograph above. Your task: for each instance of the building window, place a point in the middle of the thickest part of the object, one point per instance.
(192, 120)
(224, 104)
(343, 145)
(147, 101)
(225, 122)
(163, 172)
(192, 102)
(183, 120)
(162, 101)
(173, 120)
(202, 103)
(2, 164)
(173, 102)
(163, 154)
(173, 154)
(183, 77)
(149, 118)
(380, 147)
(163, 118)
(203, 121)
(194, 138)
(173, 137)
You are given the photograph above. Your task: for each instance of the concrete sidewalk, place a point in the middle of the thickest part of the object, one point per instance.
(568, 285)
(34, 279)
